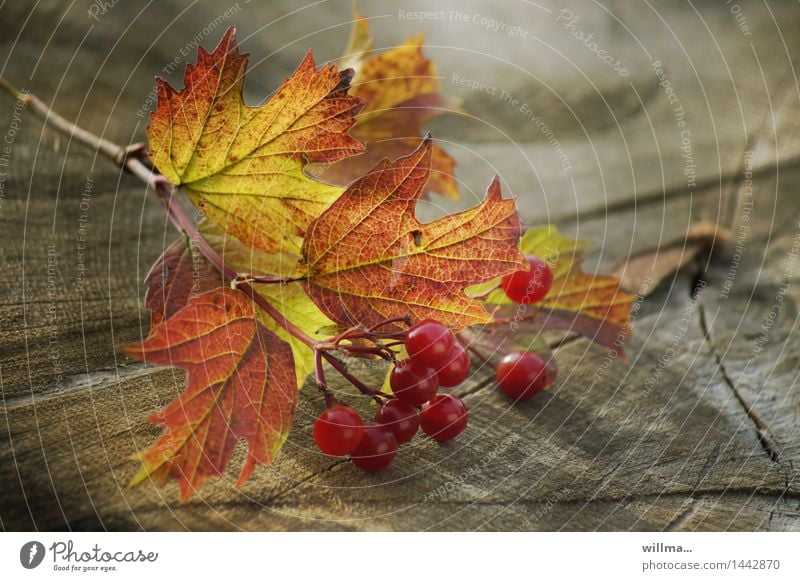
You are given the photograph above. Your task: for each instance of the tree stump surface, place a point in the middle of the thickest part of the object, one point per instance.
(697, 430)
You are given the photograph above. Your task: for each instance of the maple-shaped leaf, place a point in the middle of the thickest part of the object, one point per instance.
(241, 385)
(593, 305)
(288, 298)
(402, 94)
(183, 272)
(244, 165)
(368, 258)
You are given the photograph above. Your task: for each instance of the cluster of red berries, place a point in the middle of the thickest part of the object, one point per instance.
(435, 360)
(524, 374)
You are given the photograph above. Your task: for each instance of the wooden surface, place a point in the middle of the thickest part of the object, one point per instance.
(696, 431)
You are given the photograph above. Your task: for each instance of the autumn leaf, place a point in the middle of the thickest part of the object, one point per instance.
(590, 304)
(288, 298)
(241, 385)
(368, 258)
(182, 272)
(244, 165)
(402, 94)
(178, 274)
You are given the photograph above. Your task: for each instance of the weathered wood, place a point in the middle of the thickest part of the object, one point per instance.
(696, 431)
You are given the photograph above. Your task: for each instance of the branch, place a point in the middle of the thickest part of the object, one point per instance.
(129, 158)
(360, 385)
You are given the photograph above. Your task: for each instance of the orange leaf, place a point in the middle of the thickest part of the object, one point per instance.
(244, 165)
(402, 94)
(241, 385)
(179, 274)
(369, 258)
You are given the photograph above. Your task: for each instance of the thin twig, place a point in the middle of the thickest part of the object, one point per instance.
(162, 187)
(360, 385)
(262, 279)
(404, 319)
(319, 375)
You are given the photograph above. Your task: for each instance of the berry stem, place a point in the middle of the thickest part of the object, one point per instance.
(130, 159)
(319, 375)
(361, 386)
(379, 351)
(470, 346)
(262, 279)
(404, 319)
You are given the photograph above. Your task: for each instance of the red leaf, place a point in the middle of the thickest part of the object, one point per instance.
(241, 385)
(177, 275)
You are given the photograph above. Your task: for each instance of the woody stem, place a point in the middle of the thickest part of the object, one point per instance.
(360, 385)
(165, 190)
(319, 375)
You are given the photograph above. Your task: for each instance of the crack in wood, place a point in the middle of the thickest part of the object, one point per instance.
(761, 428)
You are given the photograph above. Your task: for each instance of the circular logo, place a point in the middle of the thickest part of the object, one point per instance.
(31, 554)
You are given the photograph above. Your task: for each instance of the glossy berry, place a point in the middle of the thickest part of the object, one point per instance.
(444, 417)
(412, 383)
(529, 286)
(522, 375)
(456, 369)
(338, 430)
(400, 418)
(376, 450)
(429, 343)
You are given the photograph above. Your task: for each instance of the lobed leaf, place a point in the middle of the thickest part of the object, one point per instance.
(368, 258)
(182, 272)
(402, 93)
(241, 386)
(244, 165)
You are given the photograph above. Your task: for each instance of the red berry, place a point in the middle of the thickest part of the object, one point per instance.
(412, 383)
(444, 417)
(338, 430)
(400, 418)
(376, 450)
(456, 369)
(522, 375)
(529, 286)
(429, 343)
